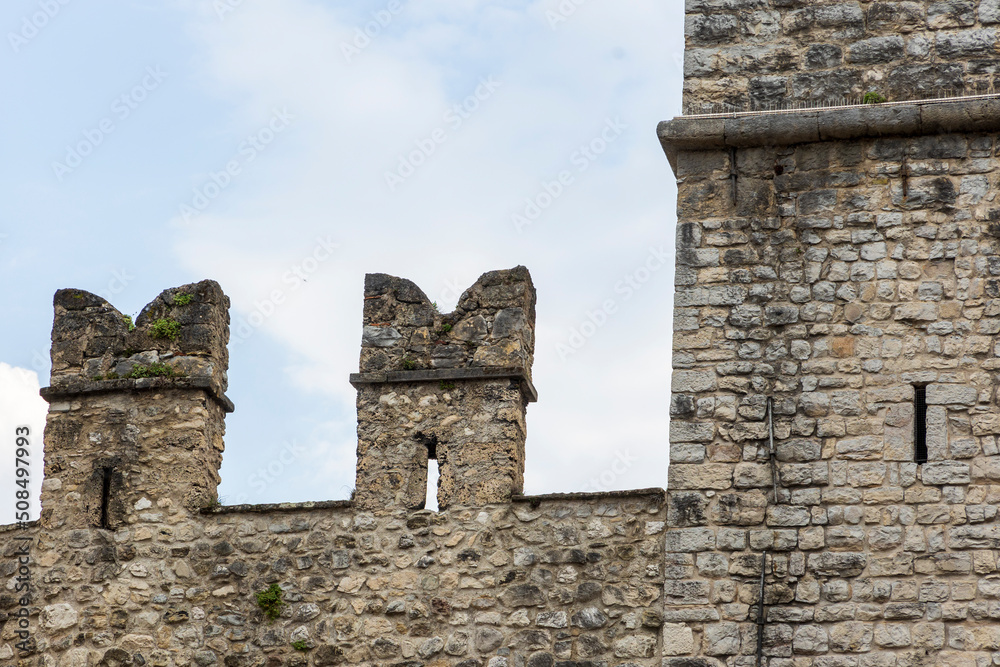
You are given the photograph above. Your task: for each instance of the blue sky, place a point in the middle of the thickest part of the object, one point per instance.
(151, 144)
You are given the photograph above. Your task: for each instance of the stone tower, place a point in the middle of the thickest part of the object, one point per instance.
(834, 471)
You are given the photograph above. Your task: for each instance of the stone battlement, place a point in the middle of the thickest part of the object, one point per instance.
(835, 415)
(134, 563)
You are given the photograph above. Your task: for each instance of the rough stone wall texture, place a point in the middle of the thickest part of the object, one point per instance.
(475, 429)
(840, 276)
(762, 53)
(133, 563)
(543, 582)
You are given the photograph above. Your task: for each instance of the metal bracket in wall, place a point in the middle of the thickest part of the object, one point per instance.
(904, 174)
(760, 610)
(770, 448)
(733, 173)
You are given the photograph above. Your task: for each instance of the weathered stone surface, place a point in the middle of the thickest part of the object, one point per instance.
(945, 472)
(691, 540)
(950, 394)
(851, 637)
(838, 564)
(691, 432)
(810, 639)
(57, 617)
(700, 476)
(678, 639)
(838, 264)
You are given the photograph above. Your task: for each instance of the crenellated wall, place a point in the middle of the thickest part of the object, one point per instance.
(134, 563)
(835, 463)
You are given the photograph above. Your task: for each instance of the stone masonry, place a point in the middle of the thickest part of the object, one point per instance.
(135, 563)
(765, 53)
(835, 468)
(468, 376)
(835, 462)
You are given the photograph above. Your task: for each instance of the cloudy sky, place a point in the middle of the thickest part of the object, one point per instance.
(150, 144)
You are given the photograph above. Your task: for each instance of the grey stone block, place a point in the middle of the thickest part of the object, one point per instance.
(951, 394)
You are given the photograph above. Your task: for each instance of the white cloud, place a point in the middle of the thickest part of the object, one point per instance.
(20, 406)
(451, 220)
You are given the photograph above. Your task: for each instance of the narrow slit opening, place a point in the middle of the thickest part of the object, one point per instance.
(920, 424)
(432, 485)
(430, 442)
(106, 497)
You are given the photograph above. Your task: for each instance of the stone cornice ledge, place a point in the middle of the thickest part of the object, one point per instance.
(66, 387)
(264, 508)
(442, 374)
(660, 494)
(784, 128)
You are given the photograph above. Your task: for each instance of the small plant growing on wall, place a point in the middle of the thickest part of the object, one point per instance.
(182, 299)
(872, 98)
(165, 328)
(409, 364)
(129, 324)
(300, 645)
(154, 370)
(270, 602)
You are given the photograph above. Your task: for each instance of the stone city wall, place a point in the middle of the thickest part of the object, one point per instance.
(134, 563)
(539, 582)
